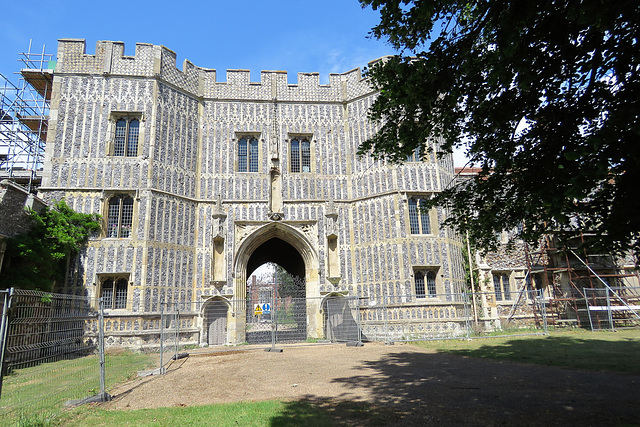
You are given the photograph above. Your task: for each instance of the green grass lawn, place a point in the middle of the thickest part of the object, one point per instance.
(273, 413)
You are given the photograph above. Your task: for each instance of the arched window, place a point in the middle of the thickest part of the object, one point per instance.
(114, 293)
(126, 140)
(120, 216)
(419, 222)
(300, 155)
(248, 154)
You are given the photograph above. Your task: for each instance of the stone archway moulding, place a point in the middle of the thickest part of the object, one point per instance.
(302, 236)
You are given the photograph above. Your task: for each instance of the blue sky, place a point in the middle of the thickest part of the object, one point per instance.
(325, 36)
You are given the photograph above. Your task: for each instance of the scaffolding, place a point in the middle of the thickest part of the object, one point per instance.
(24, 118)
(572, 284)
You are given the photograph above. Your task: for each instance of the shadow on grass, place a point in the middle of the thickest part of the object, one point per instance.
(571, 352)
(416, 388)
(312, 411)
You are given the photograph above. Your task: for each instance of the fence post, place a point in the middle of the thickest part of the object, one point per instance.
(358, 321)
(609, 311)
(161, 334)
(385, 313)
(177, 329)
(586, 300)
(4, 328)
(467, 312)
(103, 392)
(274, 321)
(543, 307)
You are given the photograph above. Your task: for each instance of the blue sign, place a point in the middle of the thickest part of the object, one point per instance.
(266, 308)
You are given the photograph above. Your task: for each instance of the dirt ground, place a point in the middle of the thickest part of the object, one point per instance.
(419, 386)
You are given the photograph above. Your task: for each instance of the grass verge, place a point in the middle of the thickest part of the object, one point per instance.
(34, 395)
(273, 413)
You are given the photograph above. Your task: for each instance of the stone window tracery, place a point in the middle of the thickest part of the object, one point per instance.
(415, 156)
(114, 291)
(126, 137)
(125, 133)
(425, 283)
(501, 287)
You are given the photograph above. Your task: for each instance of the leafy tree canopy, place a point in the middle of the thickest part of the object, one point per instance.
(544, 96)
(288, 284)
(39, 257)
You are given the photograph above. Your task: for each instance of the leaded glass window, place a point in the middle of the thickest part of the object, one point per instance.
(431, 283)
(300, 155)
(501, 287)
(120, 216)
(415, 155)
(419, 282)
(126, 137)
(419, 222)
(425, 283)
(248, 154)
(114, 293)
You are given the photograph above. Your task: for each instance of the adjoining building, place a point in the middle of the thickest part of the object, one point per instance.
(200, 181)
(575, 287)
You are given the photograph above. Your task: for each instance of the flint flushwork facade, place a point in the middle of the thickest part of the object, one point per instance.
(200, 181)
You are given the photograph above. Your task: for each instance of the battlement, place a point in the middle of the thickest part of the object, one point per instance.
(159, 61)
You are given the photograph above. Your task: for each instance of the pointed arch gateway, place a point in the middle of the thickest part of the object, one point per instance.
(289, 247)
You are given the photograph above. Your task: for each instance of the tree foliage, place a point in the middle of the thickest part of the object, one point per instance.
(39, 257)
(288, 284)
(544, 96)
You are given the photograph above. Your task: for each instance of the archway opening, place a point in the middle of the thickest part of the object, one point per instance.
(276, 294)
(279, 252)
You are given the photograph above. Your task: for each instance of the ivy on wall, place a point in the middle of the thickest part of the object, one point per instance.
(38, 258)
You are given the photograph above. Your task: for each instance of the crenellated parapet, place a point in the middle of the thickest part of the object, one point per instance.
(156, 61)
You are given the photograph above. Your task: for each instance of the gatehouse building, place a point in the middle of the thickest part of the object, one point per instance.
(201, 177)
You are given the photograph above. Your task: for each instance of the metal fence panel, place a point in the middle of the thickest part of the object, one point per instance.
(342, 322)
(612, 307)
(524, 310)
(276, 320)
(45, 328)
(415, 318)
(66, 330)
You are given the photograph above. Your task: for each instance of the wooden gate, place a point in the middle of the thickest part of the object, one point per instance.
(215, 314)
